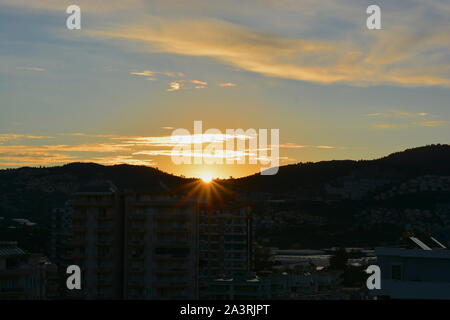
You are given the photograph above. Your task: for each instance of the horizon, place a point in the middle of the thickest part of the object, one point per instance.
(222, 178)
(116, 90)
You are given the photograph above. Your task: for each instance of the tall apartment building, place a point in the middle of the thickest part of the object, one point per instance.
(161, 243)
(225, 243)
(61, 229)
(134, 246)
(225, 240)
(25, 276)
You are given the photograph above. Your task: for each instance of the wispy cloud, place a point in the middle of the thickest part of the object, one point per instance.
(414, 51)
(13, 136)
(386, 60)
(31, 68)
(435, 123)
(138, 150)
(92, 6)
(291, 145)
(398, 114)
(227, 84)
(152, 74)
(403, 119)
(174, 86)
(180, 84)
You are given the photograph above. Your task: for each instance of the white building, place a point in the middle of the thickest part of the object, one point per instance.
(413, 273)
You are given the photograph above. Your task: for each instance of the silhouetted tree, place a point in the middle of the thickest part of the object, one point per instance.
(263, 258)
(338, 260)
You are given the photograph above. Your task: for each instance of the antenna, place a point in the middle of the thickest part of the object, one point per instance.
(422, 245)
(438, 243)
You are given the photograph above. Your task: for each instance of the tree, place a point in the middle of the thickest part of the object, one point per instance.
(263, 258)
(338, 260)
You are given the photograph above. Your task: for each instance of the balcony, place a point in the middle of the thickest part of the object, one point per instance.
(104, 242)
(79, 229)
(78, 241)
(104, 269)
(104, 257)
(137, 257)
(79, 218)
(173, 271)
(137, 242)
(104, 283)
(173, 243)
(105, 218)
(165, 257)
(171, 283)
(90, 202)
(77, 255)
(242, 242)
(138, 229)
(136, 270)
(138, 217)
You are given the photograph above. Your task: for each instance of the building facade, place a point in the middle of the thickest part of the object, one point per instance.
(25, 276)
(413, 273)
(134, 246)
(225, 240)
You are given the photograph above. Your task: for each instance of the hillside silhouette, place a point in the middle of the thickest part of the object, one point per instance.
(33, 192)
(426, 160)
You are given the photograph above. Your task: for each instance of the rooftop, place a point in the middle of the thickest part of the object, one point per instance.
(8, 248)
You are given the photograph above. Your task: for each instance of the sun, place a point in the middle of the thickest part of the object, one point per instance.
(206, 177)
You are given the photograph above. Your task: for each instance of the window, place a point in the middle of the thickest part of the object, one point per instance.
(396, 272)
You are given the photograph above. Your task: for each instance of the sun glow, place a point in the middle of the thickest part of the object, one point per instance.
(206, 177)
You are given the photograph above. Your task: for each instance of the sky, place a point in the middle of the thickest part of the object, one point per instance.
(115, 91)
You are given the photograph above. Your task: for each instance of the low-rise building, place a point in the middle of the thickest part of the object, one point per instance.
(25, 276)
(413, 273)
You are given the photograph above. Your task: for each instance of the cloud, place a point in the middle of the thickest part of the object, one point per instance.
(101, 147)
(174, 86)
(124, 160)
(11, 136)
(291, 145)
(146, 73)
(31, 68)
(149, 73)
(396, 57)
(93, 6)
(404, 119)
(388, 126)
(398, 114)
(411, 51)
(179, 84)
(434, 123)
(203, 83)
(138, 150)
(33, 158)
(227, 84)
(80, 134)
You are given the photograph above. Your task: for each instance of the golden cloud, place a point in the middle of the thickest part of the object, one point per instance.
(389, 58)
